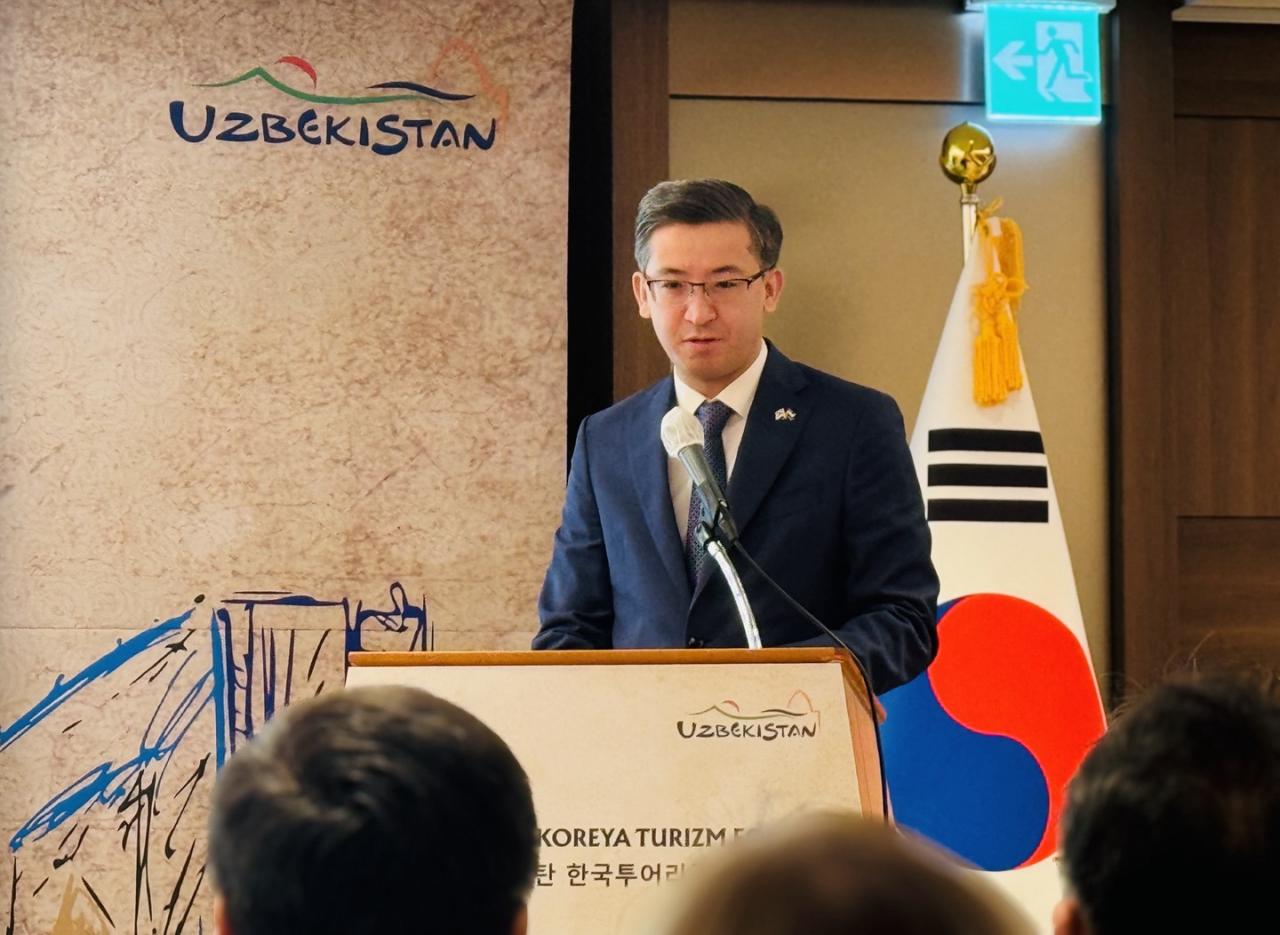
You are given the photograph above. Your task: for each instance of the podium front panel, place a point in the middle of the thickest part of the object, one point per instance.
(641, 771)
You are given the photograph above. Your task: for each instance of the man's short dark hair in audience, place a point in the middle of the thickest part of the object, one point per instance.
(374, 810)
(839, 874)
(1172, 822)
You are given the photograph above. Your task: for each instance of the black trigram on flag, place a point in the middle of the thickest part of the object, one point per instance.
(997, 461)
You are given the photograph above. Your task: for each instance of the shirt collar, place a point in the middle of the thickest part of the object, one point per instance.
(738, 395)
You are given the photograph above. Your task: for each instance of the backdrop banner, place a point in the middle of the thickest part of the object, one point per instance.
(282, 375)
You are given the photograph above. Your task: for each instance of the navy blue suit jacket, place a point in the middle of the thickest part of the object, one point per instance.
(827, 503)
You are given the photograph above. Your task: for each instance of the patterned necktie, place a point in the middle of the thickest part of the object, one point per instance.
(713, 415)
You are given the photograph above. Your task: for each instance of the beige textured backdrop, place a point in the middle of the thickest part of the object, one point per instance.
(234, 367)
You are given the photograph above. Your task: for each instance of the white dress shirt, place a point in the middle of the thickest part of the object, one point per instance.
(738, 396)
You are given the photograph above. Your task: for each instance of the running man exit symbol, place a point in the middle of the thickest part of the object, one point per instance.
(1042, 63)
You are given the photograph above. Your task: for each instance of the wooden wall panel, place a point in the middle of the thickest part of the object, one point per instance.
(1196, 286)
(589, 280)
(1140, 187)
(1226, 297)
(617, 150)
(1228, 592)
(639, 161)
(1226, 70)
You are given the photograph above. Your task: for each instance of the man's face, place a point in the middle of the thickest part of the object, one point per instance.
(710, 341)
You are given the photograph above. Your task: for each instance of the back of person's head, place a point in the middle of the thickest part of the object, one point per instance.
(706, 201)
(837, 874)
(373, 810)
(1173, 820)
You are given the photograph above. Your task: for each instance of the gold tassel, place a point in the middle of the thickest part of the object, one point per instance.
(997, 360)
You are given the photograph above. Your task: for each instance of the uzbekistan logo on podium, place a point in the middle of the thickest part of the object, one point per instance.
(797, 720)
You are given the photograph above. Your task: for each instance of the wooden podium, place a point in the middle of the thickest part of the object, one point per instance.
(644, 762)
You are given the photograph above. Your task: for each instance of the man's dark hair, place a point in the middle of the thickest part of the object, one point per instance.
(706, 201)
(1173, 820)
(373, 810)
(836, 874)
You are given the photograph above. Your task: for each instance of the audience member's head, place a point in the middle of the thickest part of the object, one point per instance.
(1173, 821)
(375, 810)
(834, 874)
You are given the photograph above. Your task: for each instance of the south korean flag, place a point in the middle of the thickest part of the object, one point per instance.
(978, 749)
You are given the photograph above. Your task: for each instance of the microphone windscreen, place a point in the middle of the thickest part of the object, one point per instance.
(680, 429)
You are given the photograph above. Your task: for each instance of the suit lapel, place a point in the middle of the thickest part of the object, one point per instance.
(774, 426)
(653, 485)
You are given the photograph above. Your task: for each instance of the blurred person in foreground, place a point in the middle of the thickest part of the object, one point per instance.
(374, 810)
(1172, 822)
(840, 874)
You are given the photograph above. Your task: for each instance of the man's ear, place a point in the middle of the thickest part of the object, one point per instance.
(520, 925)
(641, 292)
(220, 926)
(773, 283)
(1068, 917)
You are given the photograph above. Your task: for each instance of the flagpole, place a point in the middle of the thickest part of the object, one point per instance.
(968, 158)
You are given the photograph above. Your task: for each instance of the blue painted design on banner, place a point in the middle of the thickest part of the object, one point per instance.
(136, 750)
(107, 783)
(218, 668)
(99, 668)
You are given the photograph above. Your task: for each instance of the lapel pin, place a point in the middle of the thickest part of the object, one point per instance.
(788, 414)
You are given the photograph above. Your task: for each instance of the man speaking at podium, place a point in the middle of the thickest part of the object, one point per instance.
(819, 478)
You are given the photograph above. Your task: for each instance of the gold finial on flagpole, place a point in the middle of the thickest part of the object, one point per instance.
(968, 158)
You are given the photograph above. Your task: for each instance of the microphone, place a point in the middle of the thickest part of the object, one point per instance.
(682, 437)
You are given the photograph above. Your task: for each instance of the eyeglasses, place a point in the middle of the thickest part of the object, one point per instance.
(676, 293)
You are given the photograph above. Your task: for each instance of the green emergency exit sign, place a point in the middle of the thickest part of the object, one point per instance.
(1042, 62)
